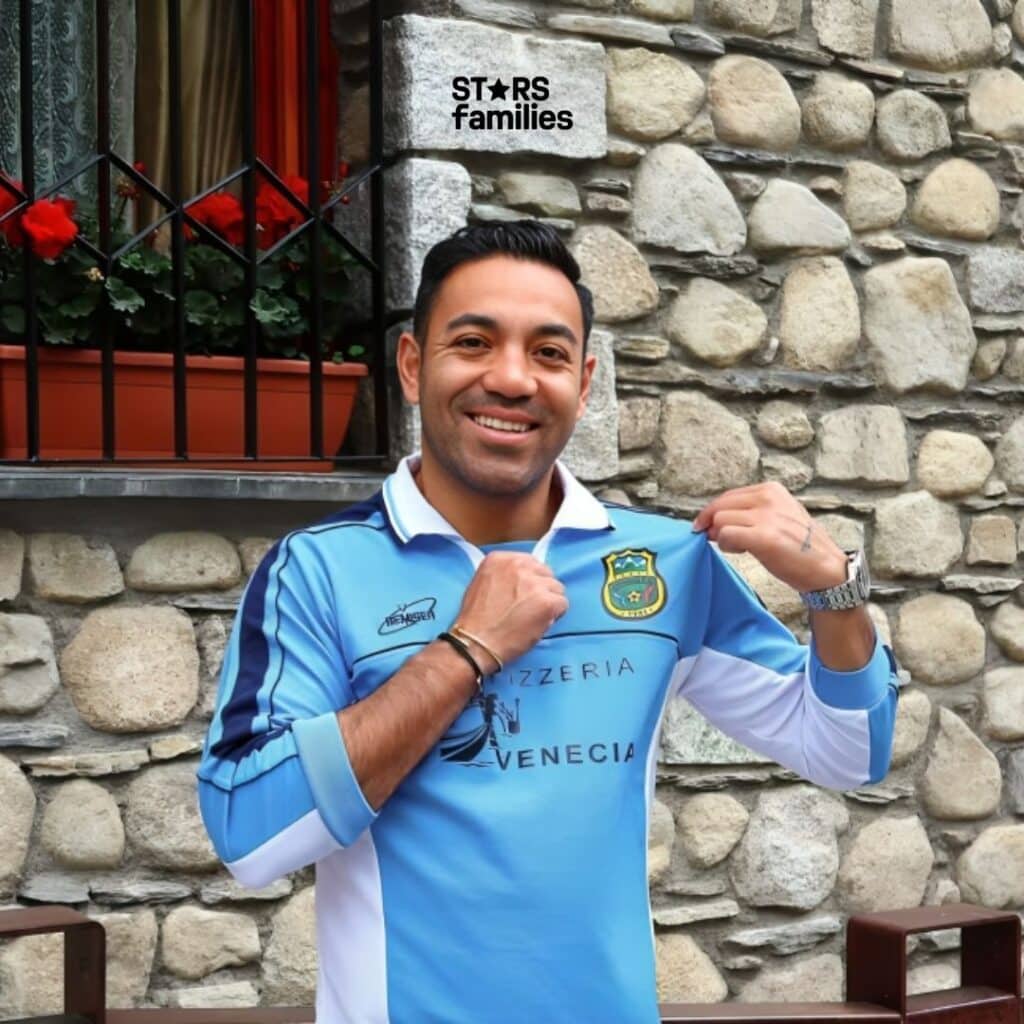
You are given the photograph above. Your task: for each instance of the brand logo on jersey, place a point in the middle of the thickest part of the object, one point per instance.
(484, 745)
(406, 615)
(633, 587)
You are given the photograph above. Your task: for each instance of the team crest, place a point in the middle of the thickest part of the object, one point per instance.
(633, 588)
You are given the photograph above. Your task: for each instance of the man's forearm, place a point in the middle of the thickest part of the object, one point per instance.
(845, 639)
(388, 734)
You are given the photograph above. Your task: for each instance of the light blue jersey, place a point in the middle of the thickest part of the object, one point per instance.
(505, 880)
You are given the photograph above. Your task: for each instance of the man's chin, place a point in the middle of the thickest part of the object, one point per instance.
(501, 480)
(497, 474)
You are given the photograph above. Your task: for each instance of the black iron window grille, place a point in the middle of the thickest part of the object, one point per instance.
(318, 241)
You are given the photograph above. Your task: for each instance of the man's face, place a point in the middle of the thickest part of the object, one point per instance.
(501, 379)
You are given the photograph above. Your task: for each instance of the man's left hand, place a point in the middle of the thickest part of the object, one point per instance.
(766, 521)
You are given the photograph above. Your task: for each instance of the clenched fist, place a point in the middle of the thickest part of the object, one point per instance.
(511, 602)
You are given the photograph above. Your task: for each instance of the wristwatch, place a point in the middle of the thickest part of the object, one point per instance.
(854, 592)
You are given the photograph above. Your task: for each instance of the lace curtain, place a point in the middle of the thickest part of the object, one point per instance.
(64, 87)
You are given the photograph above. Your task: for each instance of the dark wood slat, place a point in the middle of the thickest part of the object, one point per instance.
(30, 920)
(753, 1013)
(929, 919)
(266, 1015)
(984, 1002)
(60, 1018)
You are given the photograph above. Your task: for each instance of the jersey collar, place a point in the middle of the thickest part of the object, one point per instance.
(411, 515)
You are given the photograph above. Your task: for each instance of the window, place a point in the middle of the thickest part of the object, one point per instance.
(220, 163)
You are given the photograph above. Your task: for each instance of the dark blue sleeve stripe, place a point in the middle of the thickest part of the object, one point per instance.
(241, 707)
(253, 658)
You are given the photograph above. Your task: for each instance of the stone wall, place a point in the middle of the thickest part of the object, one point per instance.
(114, 619)
(800, 221)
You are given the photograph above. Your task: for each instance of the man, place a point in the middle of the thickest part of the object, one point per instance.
(476, 803)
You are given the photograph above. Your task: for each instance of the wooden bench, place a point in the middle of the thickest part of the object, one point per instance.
(876, 977)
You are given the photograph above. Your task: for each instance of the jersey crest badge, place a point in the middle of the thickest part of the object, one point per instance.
(633, 587)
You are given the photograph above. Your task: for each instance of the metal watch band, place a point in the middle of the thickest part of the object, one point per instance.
(851, 594)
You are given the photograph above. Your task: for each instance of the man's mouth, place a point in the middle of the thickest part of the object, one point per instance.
(512, 426)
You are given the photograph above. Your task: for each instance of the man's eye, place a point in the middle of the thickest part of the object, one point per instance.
(552, 352)
(470, 341)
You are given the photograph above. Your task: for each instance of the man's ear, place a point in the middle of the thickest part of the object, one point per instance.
(408, 360)
(589, 363)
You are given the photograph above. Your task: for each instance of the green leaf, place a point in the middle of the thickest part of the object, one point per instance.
(213, 269)
(225, 274)
(57, 329)
(13, 319)
(356, 350)
(154, 319)
(293, 328)
(81, 305)
(123, 297)
(201, 308)
(275, 310)
(145, 261)
(270, 276)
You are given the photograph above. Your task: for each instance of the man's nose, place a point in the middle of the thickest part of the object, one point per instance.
(509, 374)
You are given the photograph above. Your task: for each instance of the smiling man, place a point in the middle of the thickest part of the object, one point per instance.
(448, 697)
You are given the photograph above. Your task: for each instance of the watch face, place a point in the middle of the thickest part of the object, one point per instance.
(863, 577)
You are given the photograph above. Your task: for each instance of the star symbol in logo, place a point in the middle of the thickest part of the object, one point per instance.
(499, 91)
(634, 596)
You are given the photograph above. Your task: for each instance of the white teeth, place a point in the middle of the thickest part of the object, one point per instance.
(489, 421)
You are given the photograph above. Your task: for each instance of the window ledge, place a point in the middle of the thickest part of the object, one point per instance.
(32, 483)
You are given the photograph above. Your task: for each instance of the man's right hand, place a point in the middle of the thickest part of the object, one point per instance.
(511, 602)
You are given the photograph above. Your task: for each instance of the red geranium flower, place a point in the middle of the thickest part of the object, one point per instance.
(221, 212)
(275, 215)
(49, 227)
(126, 187)
(11, 228)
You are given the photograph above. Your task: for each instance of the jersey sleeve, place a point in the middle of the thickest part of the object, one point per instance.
(276, 789)
(753, 680)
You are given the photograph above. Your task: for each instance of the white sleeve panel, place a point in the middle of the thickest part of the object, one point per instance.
(780, 717)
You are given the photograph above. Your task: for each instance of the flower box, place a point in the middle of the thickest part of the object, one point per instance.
(71, 397)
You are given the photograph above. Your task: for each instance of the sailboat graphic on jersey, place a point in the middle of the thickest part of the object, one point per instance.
(474, 746)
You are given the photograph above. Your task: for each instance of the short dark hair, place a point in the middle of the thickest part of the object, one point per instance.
(521, 239)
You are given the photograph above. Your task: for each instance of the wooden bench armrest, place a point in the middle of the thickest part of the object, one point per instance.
(876, 951)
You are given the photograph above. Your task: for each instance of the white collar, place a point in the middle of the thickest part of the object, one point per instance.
(412, 515)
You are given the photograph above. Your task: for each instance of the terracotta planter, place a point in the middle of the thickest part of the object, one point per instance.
(70, 403)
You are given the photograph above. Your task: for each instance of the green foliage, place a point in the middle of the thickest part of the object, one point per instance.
(12, 318)
(123, 297)
(77, 305)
